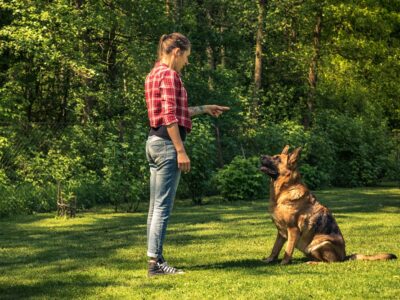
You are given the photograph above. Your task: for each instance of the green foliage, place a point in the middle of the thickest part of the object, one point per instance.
(241, 180)
(72, 104)
(338, 150)
(126, 179)
(26, 198)
(316, 157)
(394, 159)
(200, 147)
(9, 203)
(361, 148)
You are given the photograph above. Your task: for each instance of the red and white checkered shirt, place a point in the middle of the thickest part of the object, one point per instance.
(166, 98)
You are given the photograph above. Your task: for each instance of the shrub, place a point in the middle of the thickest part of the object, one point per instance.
(9, 203)
(313, 177)
(394, 158)
(25, 198)
(317, 155)
(360, 149)
(125, 170)
(200, 146)
(241, 179)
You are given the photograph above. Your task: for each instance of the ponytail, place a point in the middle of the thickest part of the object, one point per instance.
(168, 42)
(160, 46)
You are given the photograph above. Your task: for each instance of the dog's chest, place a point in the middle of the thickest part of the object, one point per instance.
(287, 215)
(279, 222)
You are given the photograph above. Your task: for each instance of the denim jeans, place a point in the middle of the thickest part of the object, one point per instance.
(164, 179)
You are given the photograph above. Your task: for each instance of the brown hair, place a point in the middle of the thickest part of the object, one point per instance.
(169, 42)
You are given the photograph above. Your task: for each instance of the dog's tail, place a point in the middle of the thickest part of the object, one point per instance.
(381, 256)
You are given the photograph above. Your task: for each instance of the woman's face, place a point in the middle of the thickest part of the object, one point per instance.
(182, 59)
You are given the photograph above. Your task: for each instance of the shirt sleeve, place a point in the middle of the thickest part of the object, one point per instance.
(169, 88)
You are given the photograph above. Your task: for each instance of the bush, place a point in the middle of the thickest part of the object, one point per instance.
(242, 179)
(26, 198)
(317, 156)
(338, 150)
(89, 192)
(200, 146)
(312, 176)
(360, 149)
(125, 169)
(394, 158)
(9, 203)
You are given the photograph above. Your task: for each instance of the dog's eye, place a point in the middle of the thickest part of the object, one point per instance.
(277, 158)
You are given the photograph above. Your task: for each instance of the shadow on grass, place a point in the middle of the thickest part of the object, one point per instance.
(360, 200)
(254, 266)
(40, 257)
(98, 239)
(52, 289)
(40, 243)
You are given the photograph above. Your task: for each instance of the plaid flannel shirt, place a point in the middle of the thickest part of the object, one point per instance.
(166, 98)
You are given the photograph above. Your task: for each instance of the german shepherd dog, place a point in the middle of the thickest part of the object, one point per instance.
(300, 219)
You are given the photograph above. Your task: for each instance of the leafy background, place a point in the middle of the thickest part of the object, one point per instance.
(72, 108)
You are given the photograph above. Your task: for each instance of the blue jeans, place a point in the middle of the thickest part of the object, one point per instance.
(164, 179)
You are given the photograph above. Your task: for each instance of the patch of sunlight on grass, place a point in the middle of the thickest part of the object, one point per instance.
(56, 222)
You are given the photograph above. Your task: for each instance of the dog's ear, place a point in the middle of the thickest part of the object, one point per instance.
(294, 156)
(285, 150)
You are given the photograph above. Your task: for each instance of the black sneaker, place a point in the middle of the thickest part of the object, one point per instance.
(162, 268)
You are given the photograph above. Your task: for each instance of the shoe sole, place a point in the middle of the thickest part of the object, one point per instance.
(164, 274)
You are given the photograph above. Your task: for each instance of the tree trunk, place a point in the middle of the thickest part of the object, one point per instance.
(222, 29)
(85, 48)
(65, 94)
(219, 145)
(78, 4)
(111, 56)
(211, 64)
(259, 46)
(258, 58)
(313, 71)
(167, 8)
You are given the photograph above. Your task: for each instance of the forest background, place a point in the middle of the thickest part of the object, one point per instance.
(322, 74)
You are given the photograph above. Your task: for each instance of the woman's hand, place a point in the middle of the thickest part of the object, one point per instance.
(215, 110)
(183, 161)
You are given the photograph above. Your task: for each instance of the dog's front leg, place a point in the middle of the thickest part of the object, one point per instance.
(293, 236)
(280, 240)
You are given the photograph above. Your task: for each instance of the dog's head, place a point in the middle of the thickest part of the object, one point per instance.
(281, 164)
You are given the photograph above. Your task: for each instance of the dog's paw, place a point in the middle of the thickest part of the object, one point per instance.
(313, 262)
(268, 260)
(285, 262)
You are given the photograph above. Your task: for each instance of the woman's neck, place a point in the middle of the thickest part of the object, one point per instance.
(169, 61)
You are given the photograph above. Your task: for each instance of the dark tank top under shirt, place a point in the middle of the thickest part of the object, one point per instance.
(162, 132)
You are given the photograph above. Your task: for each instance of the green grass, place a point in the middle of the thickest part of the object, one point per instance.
(101, 254)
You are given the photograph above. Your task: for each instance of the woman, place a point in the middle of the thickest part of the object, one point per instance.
(169, 117)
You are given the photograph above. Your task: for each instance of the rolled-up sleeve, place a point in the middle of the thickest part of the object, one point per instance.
(170, 87)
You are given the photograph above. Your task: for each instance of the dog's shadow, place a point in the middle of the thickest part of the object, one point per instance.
(245, 264)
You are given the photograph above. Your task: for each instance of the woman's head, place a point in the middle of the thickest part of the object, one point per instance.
(174, 48)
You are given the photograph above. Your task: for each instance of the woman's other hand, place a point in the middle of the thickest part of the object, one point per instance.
(183, 161)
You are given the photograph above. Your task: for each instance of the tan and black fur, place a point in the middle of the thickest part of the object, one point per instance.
(300, 219)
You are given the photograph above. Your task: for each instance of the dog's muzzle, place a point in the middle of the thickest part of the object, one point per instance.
(268, 167)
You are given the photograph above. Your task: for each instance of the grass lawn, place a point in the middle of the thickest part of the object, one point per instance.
(101, 254)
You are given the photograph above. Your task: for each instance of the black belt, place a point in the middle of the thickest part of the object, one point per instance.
(162, 132)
